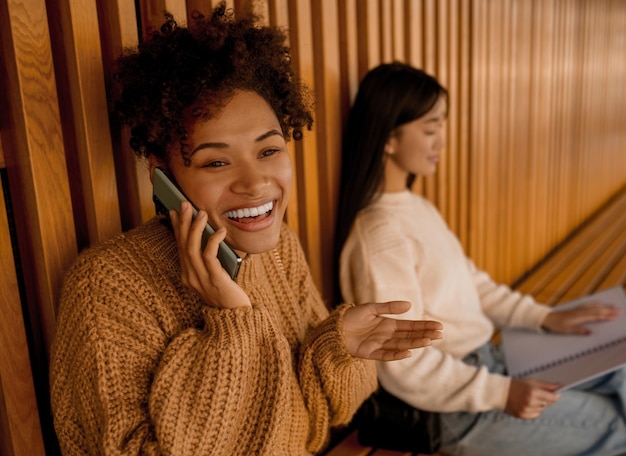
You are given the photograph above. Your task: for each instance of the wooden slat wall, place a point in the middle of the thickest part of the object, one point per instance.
(536, 138)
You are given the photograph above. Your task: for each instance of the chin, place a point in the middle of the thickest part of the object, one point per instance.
(253, 243)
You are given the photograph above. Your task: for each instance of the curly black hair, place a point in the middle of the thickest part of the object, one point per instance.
(181, 75)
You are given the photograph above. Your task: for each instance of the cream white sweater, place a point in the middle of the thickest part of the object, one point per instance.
(400, 248)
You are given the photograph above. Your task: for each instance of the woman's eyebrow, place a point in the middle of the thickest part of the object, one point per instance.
(273, 132)
(219, 145)
(434, 119)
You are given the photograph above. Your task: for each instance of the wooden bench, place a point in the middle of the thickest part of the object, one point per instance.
(591, 258)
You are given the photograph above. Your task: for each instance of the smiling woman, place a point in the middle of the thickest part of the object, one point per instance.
(157, 349)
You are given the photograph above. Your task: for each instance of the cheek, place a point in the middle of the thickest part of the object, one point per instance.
(284, 176)
(204, 193)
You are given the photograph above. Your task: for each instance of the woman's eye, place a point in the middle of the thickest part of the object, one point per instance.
(214, 164)
(268, 152)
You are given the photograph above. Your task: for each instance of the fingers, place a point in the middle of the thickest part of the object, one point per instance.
(401, 348)
(399, 307)
(573, 321)
(391, 307)
(539, 404)
(528, 398)
(418, 325)
(399, 344)
(598, 312)
(551, 387)
(387, 355)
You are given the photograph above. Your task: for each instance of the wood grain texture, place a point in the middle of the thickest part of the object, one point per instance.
(535, 137)
(83, 106)
(36, 159)
(22, 434)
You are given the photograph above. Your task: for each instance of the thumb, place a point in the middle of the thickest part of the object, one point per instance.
(548, 386)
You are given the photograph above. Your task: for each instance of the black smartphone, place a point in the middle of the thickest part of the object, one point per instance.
(166, 196)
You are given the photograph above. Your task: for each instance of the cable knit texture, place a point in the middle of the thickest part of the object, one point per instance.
(140, 366)
(401, 249)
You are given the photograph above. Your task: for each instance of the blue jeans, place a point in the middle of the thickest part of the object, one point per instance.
(587, 420)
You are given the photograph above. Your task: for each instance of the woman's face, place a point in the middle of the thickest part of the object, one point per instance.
(415, 147)
(240, 172)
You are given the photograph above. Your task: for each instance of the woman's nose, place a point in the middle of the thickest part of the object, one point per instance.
(440, 144)
(250, 179)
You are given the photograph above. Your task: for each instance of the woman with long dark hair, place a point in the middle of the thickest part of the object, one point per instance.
(394, 244)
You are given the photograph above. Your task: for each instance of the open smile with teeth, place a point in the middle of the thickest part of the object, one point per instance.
(250, 211)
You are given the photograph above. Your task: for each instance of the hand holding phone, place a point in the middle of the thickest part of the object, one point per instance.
(167, 196)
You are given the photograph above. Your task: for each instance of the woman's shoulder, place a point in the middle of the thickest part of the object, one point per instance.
(389, 212)
(393, 208)
(147, 244)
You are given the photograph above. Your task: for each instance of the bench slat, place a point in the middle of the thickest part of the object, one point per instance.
(597, 272)
(583, 242)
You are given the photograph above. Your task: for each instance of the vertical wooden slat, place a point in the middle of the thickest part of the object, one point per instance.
(463, 105)
(22, 433)
(89, 154)
(506, 177)
(443, 181)
(398, 32)
(306, 164)
(40, 195)
(429, 52)
(328, 130)
(519, 170)
(349, 54)
(385, 25)
(35, 158)
(119, 31)
(279, 16)
(414, 33)
(478, 127)
(452, 153)
(152, 13)
(368, 30)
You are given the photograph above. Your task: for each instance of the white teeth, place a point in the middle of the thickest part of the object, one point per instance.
(250, 211)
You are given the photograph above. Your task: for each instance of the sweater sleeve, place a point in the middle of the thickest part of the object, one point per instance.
(382, 267)
(222, 390)
(505, 307)
(333, 382)
(106, 345)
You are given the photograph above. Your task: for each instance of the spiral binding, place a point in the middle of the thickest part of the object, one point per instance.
(569, 358)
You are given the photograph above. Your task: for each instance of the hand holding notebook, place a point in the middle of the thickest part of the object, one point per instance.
(565, 358)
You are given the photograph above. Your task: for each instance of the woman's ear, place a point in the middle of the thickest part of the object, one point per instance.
(155, 162)
(390, 145)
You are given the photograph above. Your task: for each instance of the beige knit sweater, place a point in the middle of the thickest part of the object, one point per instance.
(140, 366)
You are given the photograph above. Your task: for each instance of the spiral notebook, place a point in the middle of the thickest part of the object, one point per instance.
(570, 359)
